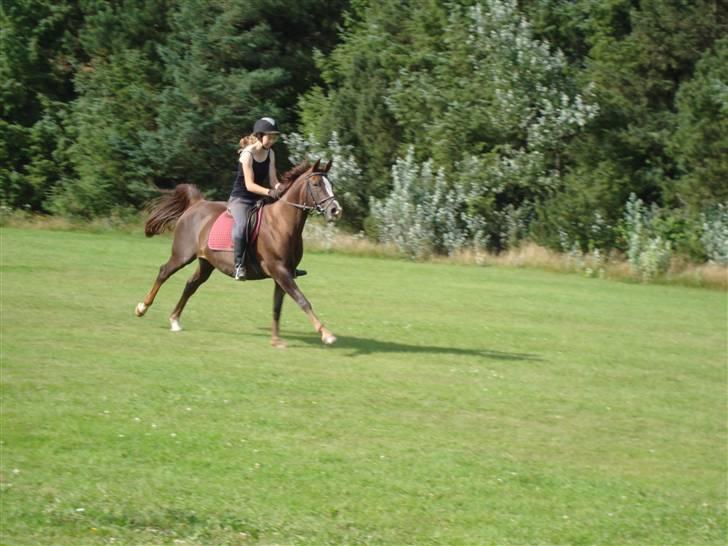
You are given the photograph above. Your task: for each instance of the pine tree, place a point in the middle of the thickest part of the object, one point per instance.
(38, 41)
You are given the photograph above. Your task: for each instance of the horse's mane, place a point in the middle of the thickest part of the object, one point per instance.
(290, 177)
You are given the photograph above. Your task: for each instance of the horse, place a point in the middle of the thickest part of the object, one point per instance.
(278, 248)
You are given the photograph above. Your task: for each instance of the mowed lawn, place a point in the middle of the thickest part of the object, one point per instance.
(461, 405)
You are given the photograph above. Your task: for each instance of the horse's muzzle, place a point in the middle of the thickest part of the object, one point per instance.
(333, 211)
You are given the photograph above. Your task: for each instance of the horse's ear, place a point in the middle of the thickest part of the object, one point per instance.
(328, 166)
(316, 166)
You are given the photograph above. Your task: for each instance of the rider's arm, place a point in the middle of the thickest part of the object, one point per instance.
(272, 174)
(246, 158)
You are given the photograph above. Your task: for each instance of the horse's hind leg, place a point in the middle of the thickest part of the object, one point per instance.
(204, 269)
(175, 263)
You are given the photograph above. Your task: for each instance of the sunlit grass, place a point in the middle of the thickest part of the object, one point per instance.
(461, 405)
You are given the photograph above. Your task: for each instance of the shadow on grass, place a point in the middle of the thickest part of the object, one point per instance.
(366, 346)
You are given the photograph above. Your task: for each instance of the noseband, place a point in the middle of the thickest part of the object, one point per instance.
(318, 205)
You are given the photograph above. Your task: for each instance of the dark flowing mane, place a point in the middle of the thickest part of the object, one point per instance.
(290, 177)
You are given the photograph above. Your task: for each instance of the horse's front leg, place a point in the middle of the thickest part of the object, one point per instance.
(284, 279)
(278, 294)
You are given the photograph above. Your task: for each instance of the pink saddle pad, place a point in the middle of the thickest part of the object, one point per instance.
(221, 234)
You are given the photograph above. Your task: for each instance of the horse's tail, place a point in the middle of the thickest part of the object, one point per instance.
(165, 210)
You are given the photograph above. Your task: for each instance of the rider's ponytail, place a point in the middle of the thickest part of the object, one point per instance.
(246, 141)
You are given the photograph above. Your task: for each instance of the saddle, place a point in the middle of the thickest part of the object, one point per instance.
(221, 238)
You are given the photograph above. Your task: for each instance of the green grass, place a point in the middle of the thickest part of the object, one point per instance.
(461, 405)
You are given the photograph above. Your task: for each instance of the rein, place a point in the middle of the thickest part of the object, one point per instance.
(318, 205)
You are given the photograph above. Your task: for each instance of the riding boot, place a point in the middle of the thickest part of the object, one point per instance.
(239, 271)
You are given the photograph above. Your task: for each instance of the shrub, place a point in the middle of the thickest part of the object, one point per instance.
(715, 234)
(647, 251)
(425, 214)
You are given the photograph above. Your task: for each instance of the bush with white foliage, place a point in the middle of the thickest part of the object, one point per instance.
(508, 99)
(500, 90)
(715, 234)
(425, 214)
(647, 251)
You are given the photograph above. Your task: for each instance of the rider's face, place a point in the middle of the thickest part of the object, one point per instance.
(269, 139)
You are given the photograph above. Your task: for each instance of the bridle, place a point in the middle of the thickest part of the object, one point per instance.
(318, 206)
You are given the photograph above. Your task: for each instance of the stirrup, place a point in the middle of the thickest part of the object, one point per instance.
(299, 273)
(239, 274)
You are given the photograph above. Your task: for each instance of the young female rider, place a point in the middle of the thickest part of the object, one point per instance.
(256, 166)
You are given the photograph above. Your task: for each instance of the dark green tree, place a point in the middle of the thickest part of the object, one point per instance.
(144, 93)
(638, 54)
(112, 118)
(37, 47)
(699, 144)
(378, 39)
(228, 63)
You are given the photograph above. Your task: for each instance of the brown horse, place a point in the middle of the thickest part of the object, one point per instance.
(278, 248)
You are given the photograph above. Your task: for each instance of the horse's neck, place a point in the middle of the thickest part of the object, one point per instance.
(293, 217)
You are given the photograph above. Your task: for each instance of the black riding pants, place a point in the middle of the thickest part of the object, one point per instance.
(240, 210)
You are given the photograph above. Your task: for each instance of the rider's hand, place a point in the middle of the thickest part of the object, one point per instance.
(275, 193)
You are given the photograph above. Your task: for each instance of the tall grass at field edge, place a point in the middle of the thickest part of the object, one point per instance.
(528, 255)
(321, 238)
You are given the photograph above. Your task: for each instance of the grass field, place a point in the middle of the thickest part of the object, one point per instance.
(461, 405)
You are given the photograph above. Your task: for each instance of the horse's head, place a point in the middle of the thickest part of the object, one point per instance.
(320, 193)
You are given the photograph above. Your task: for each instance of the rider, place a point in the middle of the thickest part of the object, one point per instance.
(256, 165)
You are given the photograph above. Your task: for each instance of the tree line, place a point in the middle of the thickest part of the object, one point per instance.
(453, 124)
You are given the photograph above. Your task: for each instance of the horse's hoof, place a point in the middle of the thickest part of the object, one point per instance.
(175, 325)
(279, 343)
(328, 339)
(140, 309)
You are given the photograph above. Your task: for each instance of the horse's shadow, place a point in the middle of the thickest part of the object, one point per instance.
(364, 346)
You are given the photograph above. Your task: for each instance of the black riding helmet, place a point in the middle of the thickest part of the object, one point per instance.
(265, 125)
